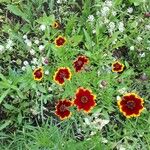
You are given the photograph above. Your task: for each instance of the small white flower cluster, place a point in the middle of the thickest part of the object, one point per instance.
(2, 49)
(9, 46)
(27, 41)
(90, 18)
(130, 10)
(111, 27)
(96, 123)
(121, 26)
(42, 27)
(106, 8)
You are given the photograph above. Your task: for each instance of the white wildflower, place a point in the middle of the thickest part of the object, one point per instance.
(33, 67)
(50, 89)
(108, 3)
(105, 11)
(132, 48)
(25, 36)
(42, 27)
(121, 26)
(1, 48)
(34, 61)
(37, 41)
(106, 21)
(41, 47)
(91, 18)
(59, 1)
(104, 140)
(28, 42)
(87, 121)
(122, 90)
(139, 39)
(9, 44)
(114, 13)
(111, 27)
(147, 27)
(32, 52)
(94, 31)
(23, 68)
(47, 72)
(130, 10)
(98, 13)
(118, 98)
(142, 55)
(99, 123)
(114, 41)
(25, 63)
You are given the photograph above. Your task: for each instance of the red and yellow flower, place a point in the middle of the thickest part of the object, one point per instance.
(62, 109)
(84, 100)
(60, 41)
(131, 105)
(62, 74)
(38, 74)
(80, 62)
(117, 66)
(55, 25)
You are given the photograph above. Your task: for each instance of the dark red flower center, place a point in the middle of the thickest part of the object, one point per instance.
(62, 75)
(63, 108)
(84, 99)
(130, 104)
(60, 41)
(79, 63)
(38, 73)
(117, 66)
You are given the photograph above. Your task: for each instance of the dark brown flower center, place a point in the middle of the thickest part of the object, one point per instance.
(60, 41)
(38, 73)
(63, 108)
(117, 66)
(130, 104)
(79, 62)
(62, 75)
(84, 99)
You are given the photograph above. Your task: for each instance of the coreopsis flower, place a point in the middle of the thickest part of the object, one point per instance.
(38, 74)
(55, 25)
(62, 74)
(62, 109)
(131, 105)
(84, 100)
(80, 62)
(117, 66)
(60, 41)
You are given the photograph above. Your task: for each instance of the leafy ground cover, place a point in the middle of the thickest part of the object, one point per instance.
(74, 74)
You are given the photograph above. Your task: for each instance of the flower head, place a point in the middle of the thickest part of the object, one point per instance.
(60, 41)
(80, 62)
(55, 25)
(84, 99)
(131, 105)
(62, 109)
(38, 74)
(62, 74)
(117, 66)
